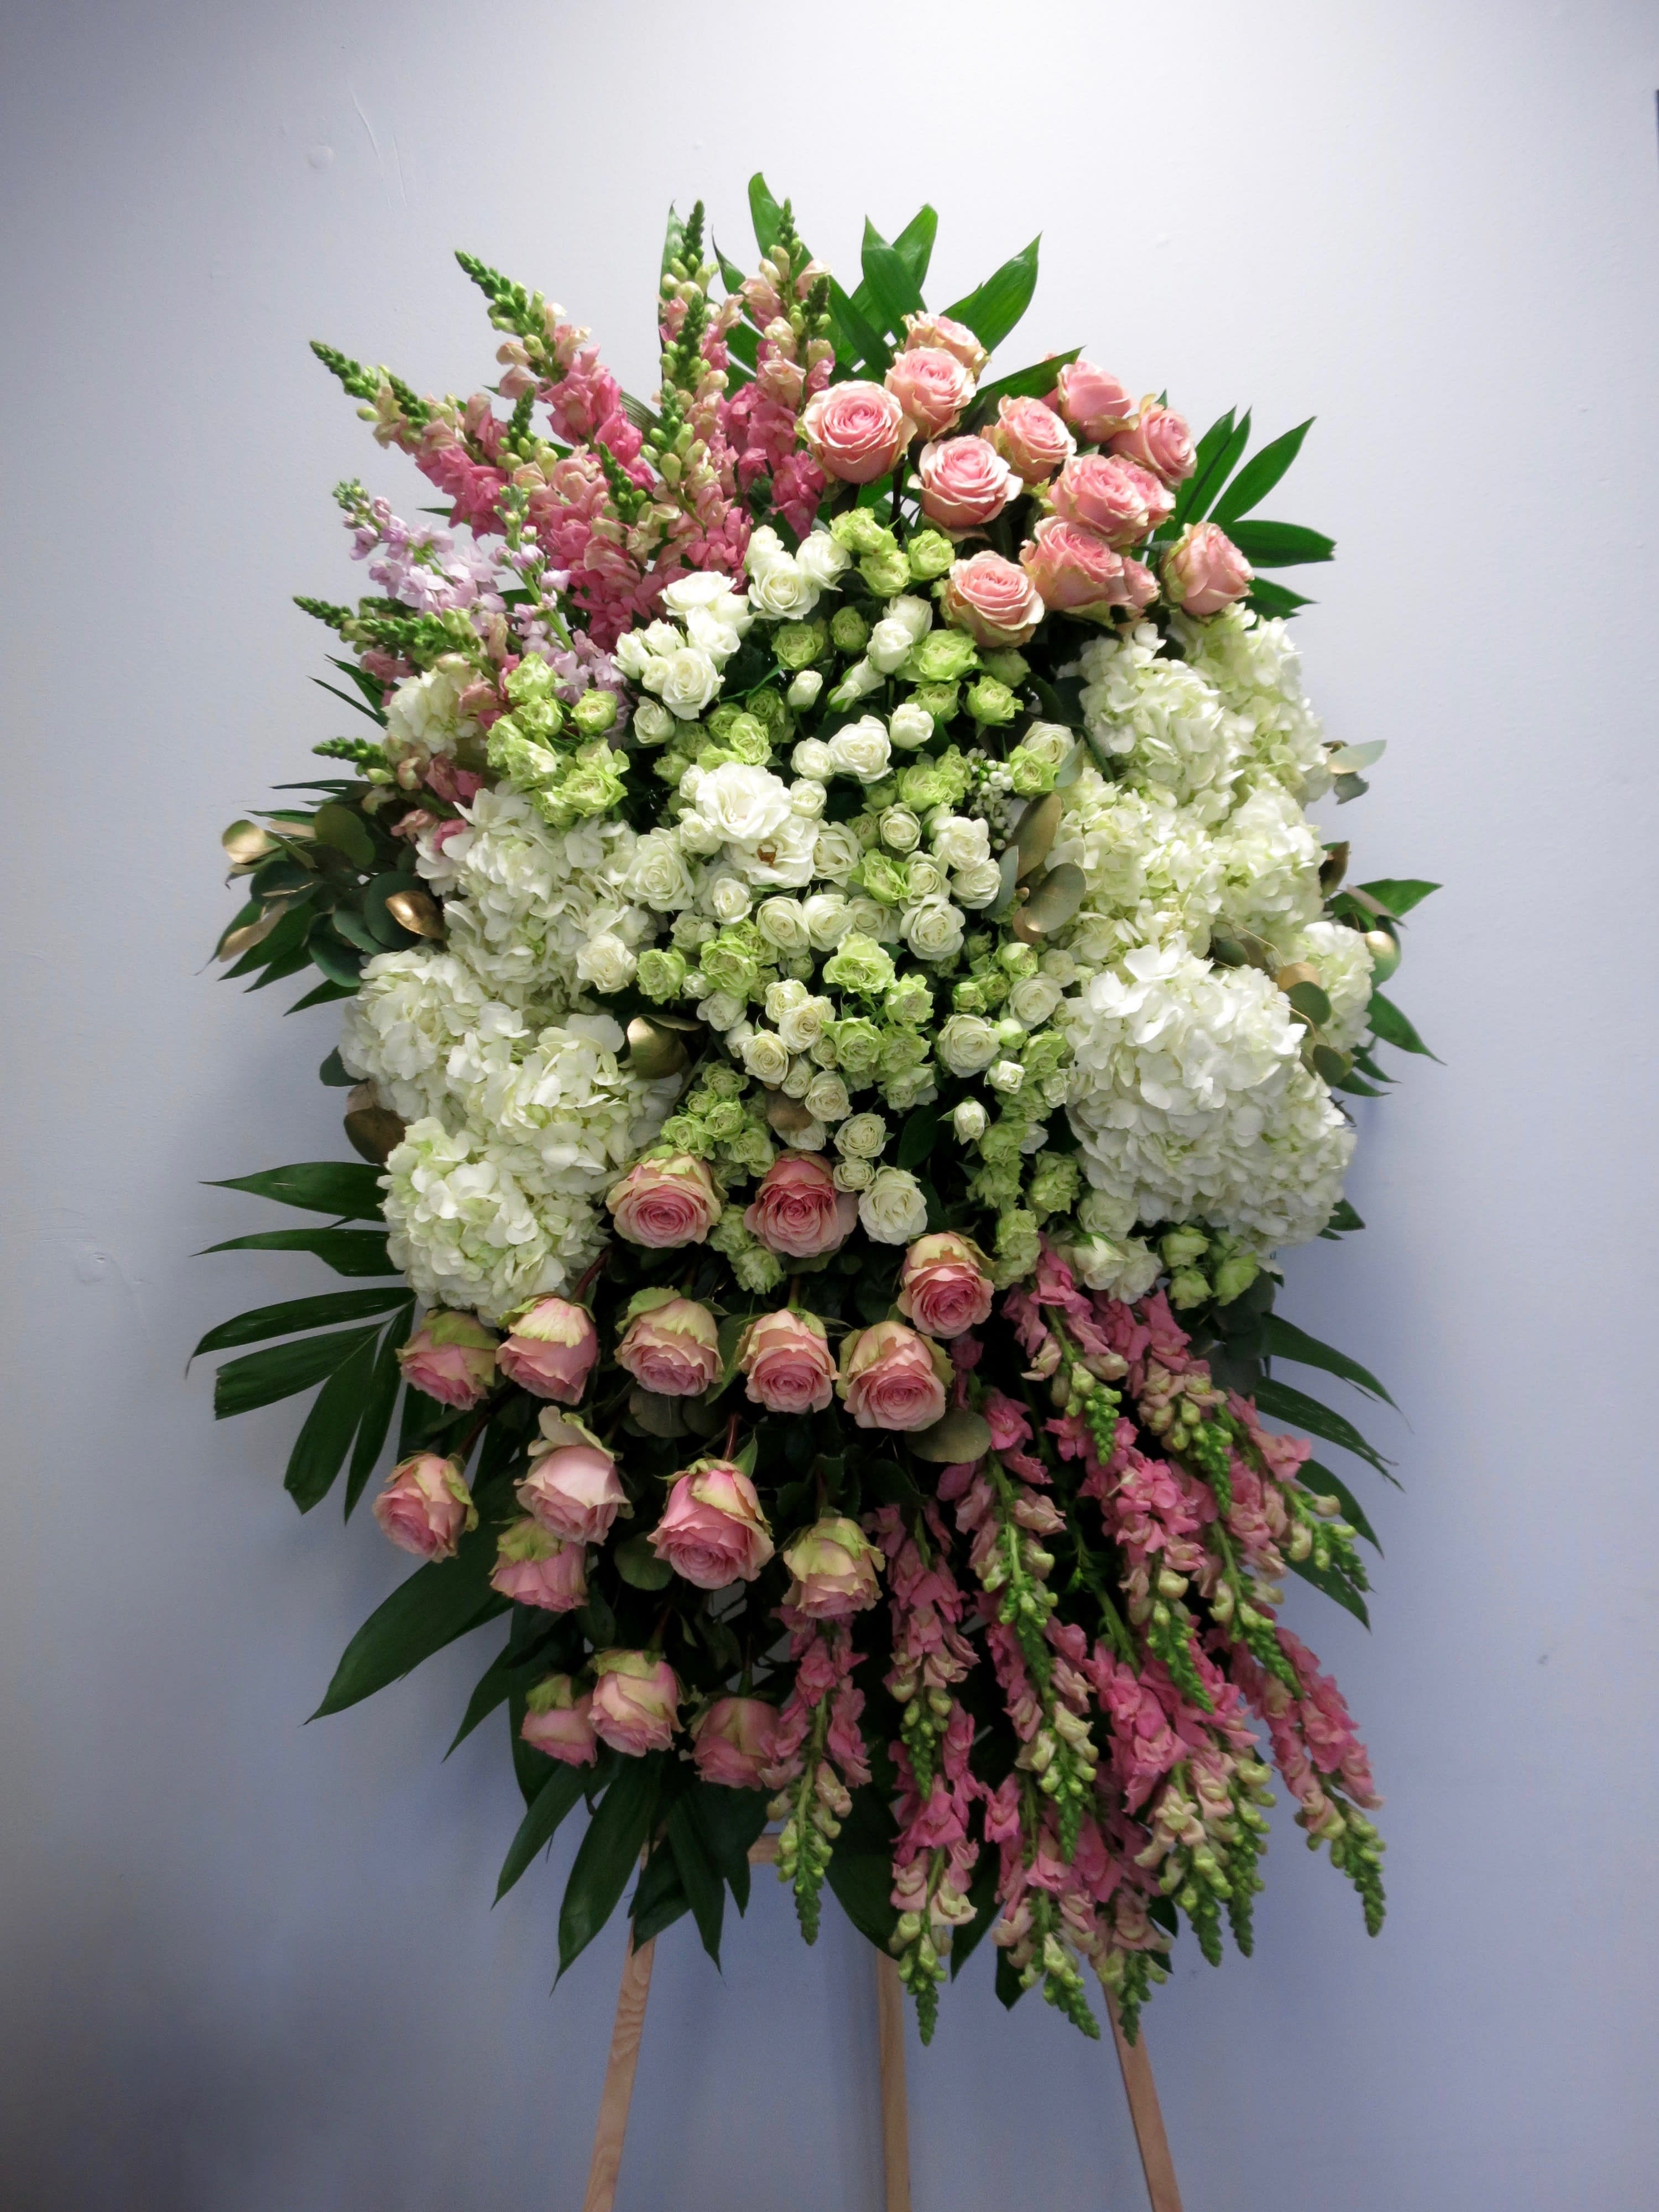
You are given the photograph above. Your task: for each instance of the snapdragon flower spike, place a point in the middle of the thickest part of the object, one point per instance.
(817, 1758)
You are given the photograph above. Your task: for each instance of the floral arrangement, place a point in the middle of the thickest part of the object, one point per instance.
(842, 1001)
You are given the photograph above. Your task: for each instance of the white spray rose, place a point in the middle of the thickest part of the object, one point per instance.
(801, 1026)
(837, 852)
(766, 1057)
(853, 1174)
(659, 877)
(1033, 999)
(969, 1121)
(781, 922)
(861, 678)
(821, 558)
(861, 1137)
(1004, 1075)
(606, 962)
(784, 591)
(811, 758)
(728, 898)
(807, 798)
(925, 877)
(909, 727)
(893, 1210)
(653, 724)
(828, 917)
(697, 836)
(744, 804)
(933, 930)
(1051, 742)
(977, 886)
(899, 829)
(968, 1042)
(721, 1009)
(803, 689)
(959, 840)
(685, 681)
(861, 749)
(828, 1099)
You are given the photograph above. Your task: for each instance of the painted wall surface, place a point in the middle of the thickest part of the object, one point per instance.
(248, 1966)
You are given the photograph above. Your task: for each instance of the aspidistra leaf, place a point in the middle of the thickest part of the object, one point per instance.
(437, 1603)
(698, 1878)
(379, 1400)
(991, 311)
(348, 1190)
(615, 1836)
(560, 1791)
(260, 1379)
(324, 1440)
(1286, 1341)
(1258, 475)
(1284, 1403)
(293, 1315)
(1280, 544)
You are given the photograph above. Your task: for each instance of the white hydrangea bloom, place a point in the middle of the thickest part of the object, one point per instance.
(1257, 673)
(1191, 1102)
(1164, 718)
(1344, 962)
(1270, 857)
(423, 714)
(1150, 865)
(410, 1011)
(466, 1231)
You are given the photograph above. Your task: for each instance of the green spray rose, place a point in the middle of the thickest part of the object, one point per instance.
(595, 712)
(886, 572)
(940, 700)
(944, 656)
(849, 632)
(992, 704)
(661, 973)
(858, 1046)
(929, 553)
(798, 644)
(860, 965)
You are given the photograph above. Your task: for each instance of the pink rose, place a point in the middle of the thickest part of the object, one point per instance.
(672, 1346)
(891, 1379)
(1075, 569)
(1118, 498)
(1203, 571)
(945, 1285)
(797, 1210)
(733, 1741)
(835, 1571)
(964, 482)
(572, 1492)
(426, 1507)
(663, 1203)
(452, 1357)
(533, 1568)
(712, 1531)
(1160, 441)
(953, 337)
(559, 1723)
(993, 599)
(1095, 404)
(634, 1702)
(1031, 438)
(790, 1367)
(931, 386)
(855, 432)
(551, 1349)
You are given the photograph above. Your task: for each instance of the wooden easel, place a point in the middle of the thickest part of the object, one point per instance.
(1162, 2193)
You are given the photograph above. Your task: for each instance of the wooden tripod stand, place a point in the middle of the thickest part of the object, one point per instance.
(1162, 2193)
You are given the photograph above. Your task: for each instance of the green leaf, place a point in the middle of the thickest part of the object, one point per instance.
(1285, 1404)
(296, 1314)
(347, 1251)
(379, 1400)
(437, 1603)
(863, 1883)
(1390, 1025)
(856, 343)
(918, 1137)
(343, 829)
(355, 931)
(1322, 1483)
(640, 1567)
(1309, 1000)
(765, 213)
(698, 1879)
(615, 1837)
(659, 1900)
(1009, 1987)
(1270, 599)
(1286, 1341)
(731, 275)
(334, 1073)
(1032, 383)
(1398, 895)
(334, 691)
(260, 1379)
(329, 1428)
(991, 311)
(341, 962)
(915, 244)
(286, 939)
(1258, 475)
(514, 1667)
(892, 289)
(1280, 544)
(1334, 1586)
(562, 1790)
(1215, 461)
(344, 1188)
(673, 239)
(729, 1821)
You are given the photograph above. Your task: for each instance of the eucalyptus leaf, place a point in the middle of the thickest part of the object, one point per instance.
(640, 1567)
(344, 829)
(961, 1437)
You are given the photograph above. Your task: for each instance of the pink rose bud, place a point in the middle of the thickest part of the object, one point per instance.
(944, 1285)
(663, 1203)
(1118, 498)
(670, 1345)
(635, 1701)
(835, 1571)
(1095, 404)
(797, 1209)
(712, 1531)
(965, 482)
(891, 1379)
(533, 1568)
(788, 1362)
(993, 599)
(1031, 438)
(560, 1723)
(1203, 571)
(452, 1357)
(551, 1349)
(572, 1489)
(731, 1741)
(855, 432)
(932, 386)
(1160, 441)
(953, 337)
(426, 1507)
(1075, 569)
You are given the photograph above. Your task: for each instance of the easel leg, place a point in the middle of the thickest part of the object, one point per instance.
(619, 2079)
(895, 2104)
(1163, 2192)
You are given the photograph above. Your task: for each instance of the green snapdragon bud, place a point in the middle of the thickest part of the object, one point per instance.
(849, 631)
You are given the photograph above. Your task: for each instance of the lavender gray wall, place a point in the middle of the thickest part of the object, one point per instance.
(249, 1967)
